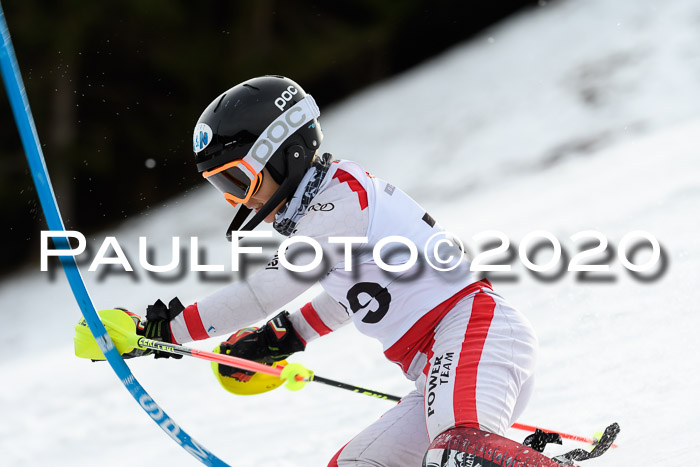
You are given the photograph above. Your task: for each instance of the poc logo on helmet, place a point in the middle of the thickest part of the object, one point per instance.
(277, 132)
(286, 96)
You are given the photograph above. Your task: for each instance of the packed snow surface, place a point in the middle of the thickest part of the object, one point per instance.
(600, 131)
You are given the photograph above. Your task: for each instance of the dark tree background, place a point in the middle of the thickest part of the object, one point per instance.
(117, 86)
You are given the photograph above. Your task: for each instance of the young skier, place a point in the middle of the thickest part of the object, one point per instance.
(471, 355)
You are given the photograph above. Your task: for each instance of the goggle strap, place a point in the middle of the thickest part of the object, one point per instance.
(311, 111)
(246, 168)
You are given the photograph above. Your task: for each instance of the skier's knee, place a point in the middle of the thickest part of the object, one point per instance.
(469, 446)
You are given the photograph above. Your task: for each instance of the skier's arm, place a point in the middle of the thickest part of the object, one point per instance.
(319, 317)
(246, 302)
(238, 305)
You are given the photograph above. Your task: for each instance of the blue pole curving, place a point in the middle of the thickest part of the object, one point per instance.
(30, 141)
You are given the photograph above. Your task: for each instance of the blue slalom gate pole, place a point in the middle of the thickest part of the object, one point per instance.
(30, 141)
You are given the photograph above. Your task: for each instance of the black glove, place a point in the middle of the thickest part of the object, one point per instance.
(273, 342)
(157, 326)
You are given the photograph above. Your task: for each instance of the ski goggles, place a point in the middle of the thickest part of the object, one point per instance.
(239, 180)
(235, 181)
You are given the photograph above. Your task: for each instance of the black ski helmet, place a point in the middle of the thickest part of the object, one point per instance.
(267, 121)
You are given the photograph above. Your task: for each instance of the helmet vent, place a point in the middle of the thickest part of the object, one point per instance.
(220, 101)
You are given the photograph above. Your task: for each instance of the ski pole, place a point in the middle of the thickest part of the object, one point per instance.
(296, 375)
(358, 389)
(122, 330)
(298, 372)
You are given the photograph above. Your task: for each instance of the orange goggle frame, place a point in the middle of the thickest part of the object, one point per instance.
(236, 180)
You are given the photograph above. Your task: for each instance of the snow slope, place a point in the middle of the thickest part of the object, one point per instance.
(601, 131)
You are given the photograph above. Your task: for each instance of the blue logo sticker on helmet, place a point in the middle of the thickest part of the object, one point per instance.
(202, 137)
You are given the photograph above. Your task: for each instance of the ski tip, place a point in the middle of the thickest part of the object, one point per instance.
(612, 429)
(607, 436)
